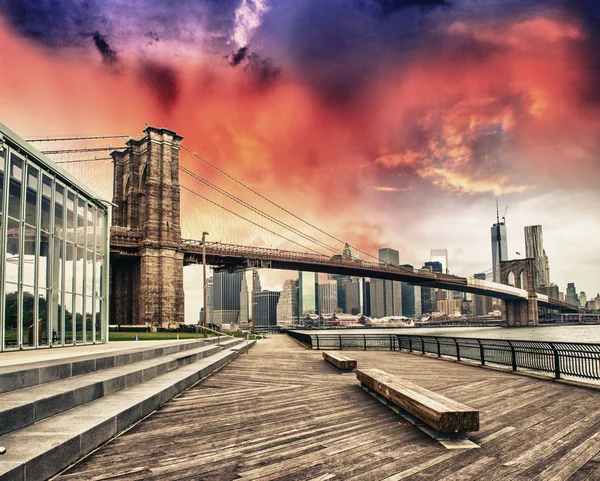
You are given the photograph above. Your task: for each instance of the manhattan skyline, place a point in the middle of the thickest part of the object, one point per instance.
(391, 123)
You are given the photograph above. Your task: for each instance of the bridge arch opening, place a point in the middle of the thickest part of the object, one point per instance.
(511, 278)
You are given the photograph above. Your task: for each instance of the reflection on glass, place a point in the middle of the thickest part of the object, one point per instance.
(89, 274)
(2, 152)
(14, 188)
(70, 217)
(43, 334)
(31, 195)
(89, 320)
(58, 210)
(79, 318)
(43, 271)
(13, 241)
(10, 317)
(46, 203)
(68, 312)
(29, 256)
(98, 318)
(28, 317)
(80, 274)
(98, 276)
(99, 232)
(91, 216)
(57, 301)
(69, 267)
(80, 221)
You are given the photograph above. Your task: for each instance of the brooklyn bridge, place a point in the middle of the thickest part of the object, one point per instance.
(148, 253)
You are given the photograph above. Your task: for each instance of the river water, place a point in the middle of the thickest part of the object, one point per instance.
(565, 333)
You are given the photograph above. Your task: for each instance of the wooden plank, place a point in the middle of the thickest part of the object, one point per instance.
(441, 413)
(339, 361)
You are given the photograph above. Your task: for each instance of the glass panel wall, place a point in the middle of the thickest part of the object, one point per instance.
(52, 235)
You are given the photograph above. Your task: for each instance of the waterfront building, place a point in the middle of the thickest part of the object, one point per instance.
(582, 299)
(499, 248)
(389, 256)
(308, 293)
(354, 295)
(287, 305)
(256, 288)
(366, 297)
(245, 308)
(449, 306)
(54, 237)
(428, 294)
(385, 295)
(328, 297)
(411, 298)
(571, 294)
(441, 256)
(226, 297)
(265, 309)
(482, 305)
(534, 249)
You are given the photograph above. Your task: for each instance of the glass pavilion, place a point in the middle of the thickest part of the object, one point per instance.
(54, 236)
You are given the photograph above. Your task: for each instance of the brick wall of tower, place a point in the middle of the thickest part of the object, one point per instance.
(147, 194)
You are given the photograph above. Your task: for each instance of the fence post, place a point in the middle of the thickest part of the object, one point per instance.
(513, 356)
(439, 352)
(340, 341)
(457, 349)
(556, 361)
(391, 341)
(317, 336)
(365, 341)
(422, 345)
(410, 344)
(481, 352)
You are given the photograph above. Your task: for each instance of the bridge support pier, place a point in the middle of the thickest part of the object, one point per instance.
(520, 313)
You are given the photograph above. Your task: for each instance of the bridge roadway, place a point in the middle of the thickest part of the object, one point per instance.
(241, 257)
(281, 413)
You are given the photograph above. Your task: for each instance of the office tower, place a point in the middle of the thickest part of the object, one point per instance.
(441, 256)
(411, 298)
(377, 296)
(265, 308)
(328, 297)
(245, 308)
(353, 297)
(428, 294)
(287, 306)
(482, 304)
(434, 266)
(256, 288)
(534, 249)
(209, 300)
(366, 297)
(389, 256)
(308, 293)
(347, 254)
(499, 248)
(449, 306)
(582, 299)
(226, 297)
(341, 290)
(571, 294)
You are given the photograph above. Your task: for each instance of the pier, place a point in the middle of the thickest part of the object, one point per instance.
(280, 412)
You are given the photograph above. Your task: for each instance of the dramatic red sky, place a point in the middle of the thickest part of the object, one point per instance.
(385, 122)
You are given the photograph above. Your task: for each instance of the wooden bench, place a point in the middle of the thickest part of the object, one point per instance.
(442, 414)
(341, 362)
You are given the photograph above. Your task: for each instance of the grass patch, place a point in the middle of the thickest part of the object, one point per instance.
(152, 336)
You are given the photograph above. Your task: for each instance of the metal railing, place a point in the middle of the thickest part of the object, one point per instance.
(574, 359)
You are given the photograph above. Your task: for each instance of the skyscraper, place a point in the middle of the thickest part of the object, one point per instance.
(428, 294)
(571, 294)
(245, 308)
(353, 296)
(499, 248)
(386, 296)
(441, 256)
(411, 298)
(265, 308)
(482, 304)
(366, 297)
(328, 298)
(308, 293)
(226, 297)
(534, 249)
(256, 288)
(287, 306)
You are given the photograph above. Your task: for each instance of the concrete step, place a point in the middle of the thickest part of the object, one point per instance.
(19, 376)
(27, 406)
(43, 449)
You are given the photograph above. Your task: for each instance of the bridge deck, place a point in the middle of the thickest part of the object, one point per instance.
(282, 413)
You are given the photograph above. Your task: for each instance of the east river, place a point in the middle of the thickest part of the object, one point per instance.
(565, 333)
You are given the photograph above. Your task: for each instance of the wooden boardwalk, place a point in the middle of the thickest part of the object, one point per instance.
(282, 413)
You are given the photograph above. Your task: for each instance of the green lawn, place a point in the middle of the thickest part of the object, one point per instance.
(151, 336)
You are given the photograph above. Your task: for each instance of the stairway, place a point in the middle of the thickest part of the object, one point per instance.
(54, 412)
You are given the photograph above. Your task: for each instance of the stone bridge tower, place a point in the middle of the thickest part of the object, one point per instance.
(147, 272)
(520, 273)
